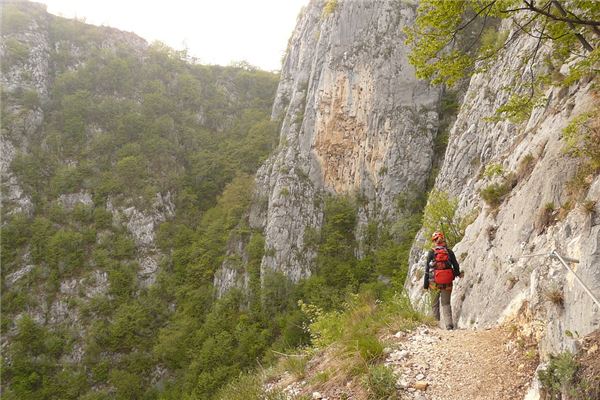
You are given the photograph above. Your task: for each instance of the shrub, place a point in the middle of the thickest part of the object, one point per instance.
(492, 170)
(362, 318)
(330, 7)
(441, 214)
(296, 365)
(494, 193)
(381, 383)
(13, 19)
(559, 375)
(16, 52)
(582, 137)
(248, 387)
(369, 347)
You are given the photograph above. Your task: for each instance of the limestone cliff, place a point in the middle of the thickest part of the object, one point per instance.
(355, 121)
(539, 214)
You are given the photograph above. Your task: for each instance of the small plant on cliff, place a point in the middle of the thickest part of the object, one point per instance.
(492, 170)
(560, 375)
(555, 296)
(329, 8)
(589, 206)
(441, 213)
(582, 137)
(546, 216)
(495, 193)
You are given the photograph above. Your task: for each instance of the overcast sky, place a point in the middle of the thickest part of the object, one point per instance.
(214, 31)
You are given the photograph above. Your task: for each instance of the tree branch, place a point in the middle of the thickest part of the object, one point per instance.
(586, 45)
(578, 21)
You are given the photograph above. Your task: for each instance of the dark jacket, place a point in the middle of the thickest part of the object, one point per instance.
(453, 262)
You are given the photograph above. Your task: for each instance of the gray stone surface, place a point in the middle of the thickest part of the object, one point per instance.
(355, 121)
(500, 284)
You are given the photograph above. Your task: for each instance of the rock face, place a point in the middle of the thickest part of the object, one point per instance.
(35, 72)
(355, 121)
(30, 73)
(502, 283)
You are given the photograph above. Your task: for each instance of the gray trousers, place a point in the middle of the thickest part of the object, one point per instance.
(441, 298)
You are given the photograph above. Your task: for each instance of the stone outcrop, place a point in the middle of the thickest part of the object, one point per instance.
(354, 121)
(502, 282)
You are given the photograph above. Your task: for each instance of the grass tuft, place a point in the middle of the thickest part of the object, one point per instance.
(380, 383)
(555, 296)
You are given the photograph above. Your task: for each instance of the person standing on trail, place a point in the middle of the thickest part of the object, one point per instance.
(440, 271)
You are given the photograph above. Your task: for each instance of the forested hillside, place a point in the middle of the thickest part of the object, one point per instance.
(172, 230)
(126, 166)
(127, 178)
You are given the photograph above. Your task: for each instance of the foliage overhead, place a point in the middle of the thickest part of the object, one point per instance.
(452, 39)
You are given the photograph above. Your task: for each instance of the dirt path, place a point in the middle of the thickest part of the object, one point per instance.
(460, 365)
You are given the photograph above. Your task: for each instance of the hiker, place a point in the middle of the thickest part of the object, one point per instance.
(440, 270)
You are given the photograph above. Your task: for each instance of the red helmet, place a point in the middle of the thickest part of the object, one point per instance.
(438, 237)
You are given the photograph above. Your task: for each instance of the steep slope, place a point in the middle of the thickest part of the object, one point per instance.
(355, 121)
(114, 152)
(425, 364)
(539, 198)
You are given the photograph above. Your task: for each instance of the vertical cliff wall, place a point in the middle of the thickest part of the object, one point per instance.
(540, 212)
(355, 120)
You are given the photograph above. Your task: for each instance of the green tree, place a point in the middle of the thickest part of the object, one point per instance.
(452, 39)
(439, 54)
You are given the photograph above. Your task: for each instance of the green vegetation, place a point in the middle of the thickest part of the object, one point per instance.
(441, 213)
(494, 193)
(350, 338)
(492, 170)
(381, 383)
(560, 375)
(451, 40)
(123, 125)
(362, 318)
(330, 7)
(248, 387)
(582, 137)
(503, 182)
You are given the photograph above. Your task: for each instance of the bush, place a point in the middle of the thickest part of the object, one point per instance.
(330, 7)
(582, 137)
(494, 193)
(369, 348)
(16, 52)
(296, 365)
(441, 214)
(559, 375)
(362, 318)
(13, 19)
(381, 383)
(248, 387)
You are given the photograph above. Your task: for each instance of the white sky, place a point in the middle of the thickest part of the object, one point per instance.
(214, 31)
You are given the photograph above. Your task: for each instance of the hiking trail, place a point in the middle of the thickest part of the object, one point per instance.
(434, 364)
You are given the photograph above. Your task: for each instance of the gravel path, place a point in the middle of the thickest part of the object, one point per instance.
(436, 364)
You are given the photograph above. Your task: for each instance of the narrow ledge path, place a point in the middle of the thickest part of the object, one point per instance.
(435, 364)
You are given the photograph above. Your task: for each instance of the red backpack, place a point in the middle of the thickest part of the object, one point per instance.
(442, 271)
